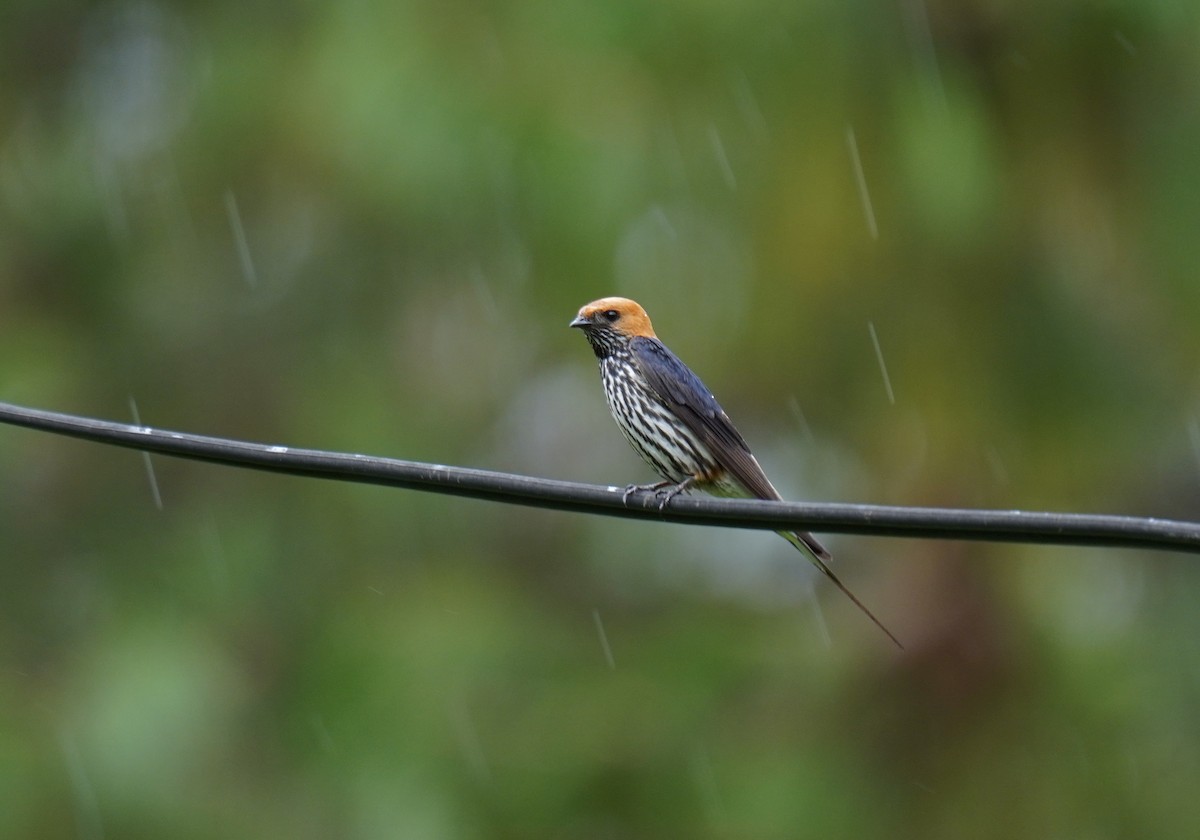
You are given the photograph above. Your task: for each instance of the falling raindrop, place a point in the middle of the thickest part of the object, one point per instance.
(87, 809)
(484, 292)
(718, 146)
(921, 36)
(819, 618)
(748, 105)
(153, 479)
(239, 239)
(468, 740)
(864, 195)
(608, 656)
(887, 380)
(798, 413)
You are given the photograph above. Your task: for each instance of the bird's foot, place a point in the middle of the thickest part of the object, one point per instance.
(655, 488)
(664, 491)
(668, 491)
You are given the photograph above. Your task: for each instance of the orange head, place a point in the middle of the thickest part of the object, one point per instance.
(616, 318)
(609, 324)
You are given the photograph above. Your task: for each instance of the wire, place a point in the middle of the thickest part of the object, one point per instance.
(871, 520)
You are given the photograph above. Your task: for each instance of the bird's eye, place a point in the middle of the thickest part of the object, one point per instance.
(611, 315)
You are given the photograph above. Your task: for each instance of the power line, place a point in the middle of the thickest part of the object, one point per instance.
(870, 520)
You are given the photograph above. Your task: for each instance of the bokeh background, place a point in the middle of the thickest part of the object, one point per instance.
(927, 253)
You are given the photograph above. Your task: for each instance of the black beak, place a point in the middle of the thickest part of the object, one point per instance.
(580, 321)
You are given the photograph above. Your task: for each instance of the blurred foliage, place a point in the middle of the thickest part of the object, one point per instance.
(365, 225)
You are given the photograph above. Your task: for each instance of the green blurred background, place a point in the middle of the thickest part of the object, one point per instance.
(364, 226)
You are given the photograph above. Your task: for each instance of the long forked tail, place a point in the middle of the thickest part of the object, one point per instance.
(818, 554)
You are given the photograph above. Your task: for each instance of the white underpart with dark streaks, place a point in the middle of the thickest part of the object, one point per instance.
(652, 430)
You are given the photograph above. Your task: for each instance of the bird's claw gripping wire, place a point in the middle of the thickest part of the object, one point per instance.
(631, 489)
(664, 491)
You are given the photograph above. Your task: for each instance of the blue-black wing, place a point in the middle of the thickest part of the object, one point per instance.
(683, 392)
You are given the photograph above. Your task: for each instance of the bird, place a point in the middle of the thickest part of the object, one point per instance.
(673, 421)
